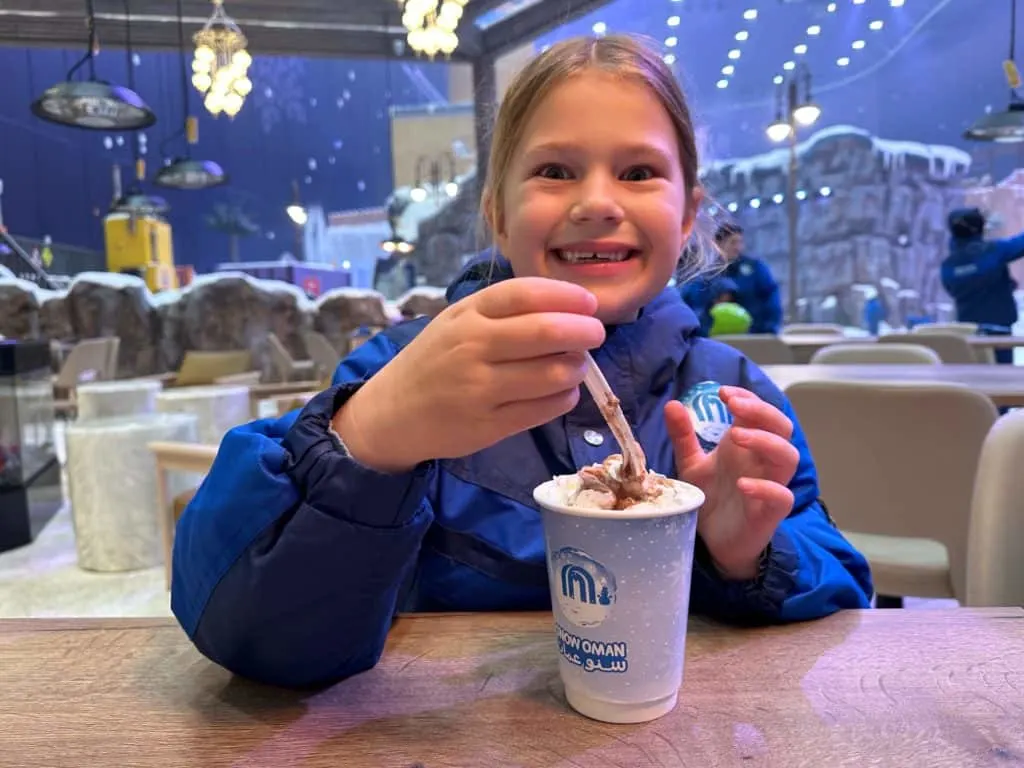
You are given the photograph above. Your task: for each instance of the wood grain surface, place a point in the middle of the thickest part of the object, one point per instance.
(874, 688)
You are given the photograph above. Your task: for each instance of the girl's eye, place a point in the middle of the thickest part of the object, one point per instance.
(639, 173)
(553, 171)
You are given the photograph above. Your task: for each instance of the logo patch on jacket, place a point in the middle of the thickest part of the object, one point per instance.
(710, 417)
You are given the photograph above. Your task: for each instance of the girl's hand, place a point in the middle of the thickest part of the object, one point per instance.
(499, 362)
(744, 479)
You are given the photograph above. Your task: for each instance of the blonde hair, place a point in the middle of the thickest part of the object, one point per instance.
(625, 56)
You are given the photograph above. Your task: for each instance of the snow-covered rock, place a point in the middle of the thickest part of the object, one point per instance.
(222, 311)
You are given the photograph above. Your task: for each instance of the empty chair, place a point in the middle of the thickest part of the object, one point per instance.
(813, 329)
(208, 367)
(995, 550)
(952, 348)
(762, 348)
(88, 361)
(981, 354)
(113, 352)
(322, 352)
(960, 329)
(896, 467)
(285, 366)
(873, 354)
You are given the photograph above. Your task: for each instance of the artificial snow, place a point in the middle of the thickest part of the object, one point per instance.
(943, 161)
(349, 293)
(42, 295)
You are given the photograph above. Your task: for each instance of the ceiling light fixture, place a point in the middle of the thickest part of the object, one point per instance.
(1005, 127)
(183, 172)
(93, 104)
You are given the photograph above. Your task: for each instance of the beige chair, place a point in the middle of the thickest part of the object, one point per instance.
(205, 368)
(322, 352)
(176, 457)
(995, 550)
(113, 352)
(286, 368)
(88, 361)
(872, 354)
(763, 349)
(981, 354)
(813, 329)
(951, 348)
(960, 329)
(896, 467)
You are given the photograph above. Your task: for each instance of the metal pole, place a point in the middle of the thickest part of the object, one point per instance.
(297, 200)
(791, 209)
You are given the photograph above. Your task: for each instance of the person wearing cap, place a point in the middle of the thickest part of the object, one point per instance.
(749, 280)
(976, 274)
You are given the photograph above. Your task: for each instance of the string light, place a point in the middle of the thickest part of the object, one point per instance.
(734, 54)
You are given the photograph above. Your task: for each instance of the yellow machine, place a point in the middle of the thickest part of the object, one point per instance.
(138, 241)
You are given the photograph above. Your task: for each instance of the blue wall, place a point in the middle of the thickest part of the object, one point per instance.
(926, 75)
(322, 122)
(930, 71)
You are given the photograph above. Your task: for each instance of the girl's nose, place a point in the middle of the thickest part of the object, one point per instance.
(596, 203)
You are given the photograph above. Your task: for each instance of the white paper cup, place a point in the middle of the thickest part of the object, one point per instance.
(620, 592)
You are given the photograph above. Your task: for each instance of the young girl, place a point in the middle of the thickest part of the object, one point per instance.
(407, 485)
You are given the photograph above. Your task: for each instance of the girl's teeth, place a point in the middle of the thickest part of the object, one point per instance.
(574, 256)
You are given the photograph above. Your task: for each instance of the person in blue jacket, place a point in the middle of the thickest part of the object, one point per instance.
(702, 293)
(976, 275)
(747, 277)
(407, 485)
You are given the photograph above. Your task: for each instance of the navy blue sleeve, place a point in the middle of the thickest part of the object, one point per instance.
(769, 306)
(811, 570)
(289, 561)
(697, 296)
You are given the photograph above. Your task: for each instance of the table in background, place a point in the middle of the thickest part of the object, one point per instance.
(902, 688)
(1004, 384)
(804, 345)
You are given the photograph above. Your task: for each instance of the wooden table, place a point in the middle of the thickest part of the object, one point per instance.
(1004, 384)
(888, 688)
(996, 342)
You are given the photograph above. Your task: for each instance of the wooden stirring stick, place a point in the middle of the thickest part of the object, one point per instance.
(634, 463)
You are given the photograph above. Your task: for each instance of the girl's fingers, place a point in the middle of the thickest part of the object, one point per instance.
(768, 504)
(777, 456)
(748, 410)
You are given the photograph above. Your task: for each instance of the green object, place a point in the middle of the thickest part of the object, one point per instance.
(729, 318)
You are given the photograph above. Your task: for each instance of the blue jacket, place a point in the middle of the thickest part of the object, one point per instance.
(754, 287)
(977, 276)
(700, 295)
(292, 559)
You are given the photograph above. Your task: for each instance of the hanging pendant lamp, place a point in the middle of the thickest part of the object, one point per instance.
(1005, 127)
(93, 104)
(184, 172)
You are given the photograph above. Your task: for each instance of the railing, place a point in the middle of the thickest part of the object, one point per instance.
(14, 258)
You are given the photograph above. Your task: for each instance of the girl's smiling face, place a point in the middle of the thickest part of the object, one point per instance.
(595, 194)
